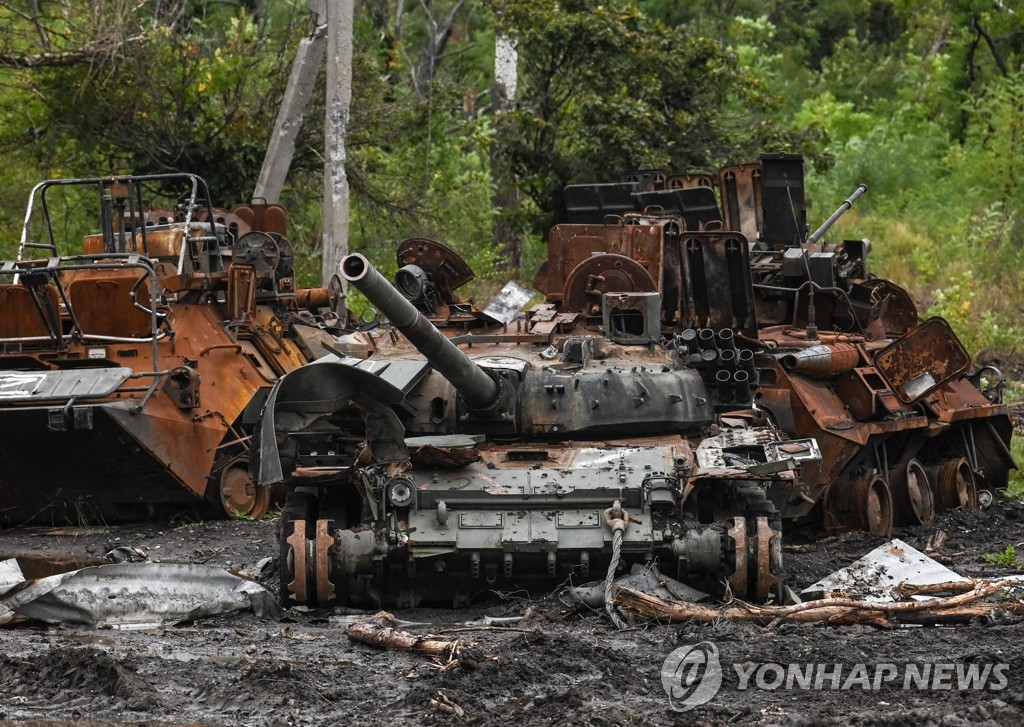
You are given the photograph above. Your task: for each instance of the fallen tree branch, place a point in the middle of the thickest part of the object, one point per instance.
(838, 611)
(463, 629)
(380, 630)
(444, 703)
(908, 590)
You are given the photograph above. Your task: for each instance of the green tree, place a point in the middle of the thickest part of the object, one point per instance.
(605, 89)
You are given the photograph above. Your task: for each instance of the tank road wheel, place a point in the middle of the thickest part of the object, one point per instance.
(322, 565)
(296, 519)
(953, 485)
(863, 504)
(238, 495)
(912, 495)
(757, 562)
(738, 579)
(768, 579)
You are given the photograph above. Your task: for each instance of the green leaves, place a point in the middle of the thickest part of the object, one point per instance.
(606, 89)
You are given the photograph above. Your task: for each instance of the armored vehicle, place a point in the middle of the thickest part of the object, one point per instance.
(134, 358)
(700, 373)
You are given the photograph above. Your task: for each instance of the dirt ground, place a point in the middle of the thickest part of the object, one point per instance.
(555, 669)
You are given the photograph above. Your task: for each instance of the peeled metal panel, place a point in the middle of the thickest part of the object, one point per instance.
(922, 360)
(740, 186)
(23, 386)
(135, 595)
(509, 302)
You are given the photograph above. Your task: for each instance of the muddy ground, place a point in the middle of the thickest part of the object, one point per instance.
(557, 669)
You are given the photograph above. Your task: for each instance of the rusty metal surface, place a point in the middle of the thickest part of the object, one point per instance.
(447, 270)
(296, 558)
(738, 580)
(570, 245)
(716, 292)
(323, 546)
(740, 187)
(922, 360)
(913, 499)
(144, 343)
(600, 274)
(953, 484)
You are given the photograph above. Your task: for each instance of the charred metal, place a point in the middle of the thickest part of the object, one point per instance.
(143, 359)
(701, 375)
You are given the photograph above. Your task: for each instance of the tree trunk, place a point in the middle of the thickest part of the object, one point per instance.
(433, 52)
(508, 236)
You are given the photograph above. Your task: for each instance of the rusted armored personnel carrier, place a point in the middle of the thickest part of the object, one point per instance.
(840, 355)
(702, 371)
(132, 372)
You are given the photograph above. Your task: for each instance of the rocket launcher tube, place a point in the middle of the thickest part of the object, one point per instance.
(478, 389)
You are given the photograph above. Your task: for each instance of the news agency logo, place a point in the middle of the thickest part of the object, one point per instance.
(692, 676)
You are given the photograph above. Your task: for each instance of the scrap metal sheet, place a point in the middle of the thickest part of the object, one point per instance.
(134, 595)
(873, 577)
(22, 386)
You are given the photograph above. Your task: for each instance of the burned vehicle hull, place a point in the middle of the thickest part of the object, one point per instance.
(702, 375)
(427, 475)
(132, 372)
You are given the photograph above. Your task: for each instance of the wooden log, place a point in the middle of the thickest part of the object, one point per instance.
(908, 590)
(837, 611)
(381, 630)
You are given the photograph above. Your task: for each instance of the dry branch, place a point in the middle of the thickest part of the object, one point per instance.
(380, 630)
(838, 611)
(908, 590)
(444, 703)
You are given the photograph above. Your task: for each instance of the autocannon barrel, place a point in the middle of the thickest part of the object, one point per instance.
(476, 386)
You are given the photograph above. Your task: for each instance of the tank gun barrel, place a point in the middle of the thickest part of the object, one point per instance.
(843, 208)
(477, 388)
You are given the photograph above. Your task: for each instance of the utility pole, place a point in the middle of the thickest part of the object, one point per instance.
(281, 149)
(331, 37)
(338, 100)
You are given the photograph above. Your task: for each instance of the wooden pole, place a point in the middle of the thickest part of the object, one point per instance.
(338, 102)
(281, 148)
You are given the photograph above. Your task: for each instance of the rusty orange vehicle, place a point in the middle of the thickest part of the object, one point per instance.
(131, 372)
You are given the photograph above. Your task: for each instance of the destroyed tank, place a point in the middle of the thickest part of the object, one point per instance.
(131, 373)
(701, 374)
(538, 454)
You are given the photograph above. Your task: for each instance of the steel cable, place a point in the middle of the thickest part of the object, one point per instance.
(610, 579)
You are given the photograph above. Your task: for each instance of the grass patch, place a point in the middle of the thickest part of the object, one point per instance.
(1015, 487)
(1006, 559)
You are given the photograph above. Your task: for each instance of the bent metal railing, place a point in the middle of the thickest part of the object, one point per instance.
(35, 274)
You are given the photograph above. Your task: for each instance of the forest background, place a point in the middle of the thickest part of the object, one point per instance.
(921, 101)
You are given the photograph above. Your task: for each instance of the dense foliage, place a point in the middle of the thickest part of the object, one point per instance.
(922, 101)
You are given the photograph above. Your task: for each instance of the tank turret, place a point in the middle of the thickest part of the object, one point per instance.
(479, 389)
